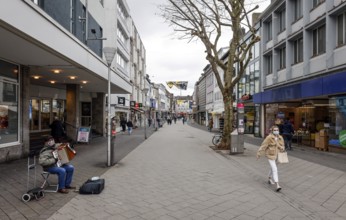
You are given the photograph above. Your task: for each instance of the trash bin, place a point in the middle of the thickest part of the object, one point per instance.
(237, 143)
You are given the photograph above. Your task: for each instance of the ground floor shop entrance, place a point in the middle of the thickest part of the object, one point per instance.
(317, 123)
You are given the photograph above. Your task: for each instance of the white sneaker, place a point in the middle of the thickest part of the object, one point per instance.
(270, 181)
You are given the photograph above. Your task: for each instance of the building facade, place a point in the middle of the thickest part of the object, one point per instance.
(52, 64)
(303, 70)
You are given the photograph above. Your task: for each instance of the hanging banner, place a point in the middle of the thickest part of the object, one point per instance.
(170, 84)
(181, 84)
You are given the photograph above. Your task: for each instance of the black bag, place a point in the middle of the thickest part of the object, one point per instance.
(92, 186)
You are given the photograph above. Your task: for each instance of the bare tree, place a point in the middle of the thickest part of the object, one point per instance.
(208, 21)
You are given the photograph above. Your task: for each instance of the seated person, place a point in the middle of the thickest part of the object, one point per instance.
(49, 164)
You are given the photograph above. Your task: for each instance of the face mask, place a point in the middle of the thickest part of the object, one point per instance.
(276, 132)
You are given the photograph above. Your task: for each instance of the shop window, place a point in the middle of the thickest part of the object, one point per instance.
(337, 126)
(34, 114)
(41, 112)
(9, 117)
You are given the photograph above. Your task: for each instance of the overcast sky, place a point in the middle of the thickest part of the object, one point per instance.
(169, 59)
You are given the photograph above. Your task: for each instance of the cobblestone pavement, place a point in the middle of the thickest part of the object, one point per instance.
(174, 174)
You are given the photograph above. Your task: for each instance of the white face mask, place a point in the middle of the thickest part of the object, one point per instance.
(276, 132)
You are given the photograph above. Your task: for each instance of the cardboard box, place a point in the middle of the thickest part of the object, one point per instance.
(323, 132)
(317, 140)
(323, 142)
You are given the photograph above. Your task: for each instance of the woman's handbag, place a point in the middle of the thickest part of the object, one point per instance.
(282, 157)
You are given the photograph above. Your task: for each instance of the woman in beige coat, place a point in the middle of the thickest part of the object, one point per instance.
(271, 145)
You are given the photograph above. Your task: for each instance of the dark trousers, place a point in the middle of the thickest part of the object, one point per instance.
(288, 141)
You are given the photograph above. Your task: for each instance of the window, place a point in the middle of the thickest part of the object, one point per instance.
(257, 49)
(121, 35)
(121, 10)
(316, 3)
(269, 30)
(257, 77)
(9, 115)
(282, 58)
(298, 11)
(341, 29)
(282, 20)
(319, 40)
(269, 64)
(121, 61)
(210, 97)
(298, 50)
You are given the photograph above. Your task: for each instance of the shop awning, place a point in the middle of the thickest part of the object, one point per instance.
(137, 110)
(217, 111)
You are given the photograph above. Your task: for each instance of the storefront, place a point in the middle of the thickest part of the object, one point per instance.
(316, 108)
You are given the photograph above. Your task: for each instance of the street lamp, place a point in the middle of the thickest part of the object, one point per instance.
(145, 91)
(109, 53)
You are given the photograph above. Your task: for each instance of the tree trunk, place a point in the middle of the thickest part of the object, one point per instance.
(228, 121)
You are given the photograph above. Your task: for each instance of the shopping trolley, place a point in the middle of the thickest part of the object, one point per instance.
(35, 192)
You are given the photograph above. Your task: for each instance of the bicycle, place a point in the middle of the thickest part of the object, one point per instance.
(217, 139)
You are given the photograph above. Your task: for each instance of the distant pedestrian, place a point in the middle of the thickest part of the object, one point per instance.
(271, 145)
(57, 131)
(158, 123)
(129, 126)
(175, 119)
(149, 122)
(183, 120)
(210, 124)
(287, 133)
(123, 124)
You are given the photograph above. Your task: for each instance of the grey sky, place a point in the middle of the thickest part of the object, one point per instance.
(169, 59)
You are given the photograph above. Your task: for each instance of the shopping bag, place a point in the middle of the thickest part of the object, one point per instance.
(282, 157)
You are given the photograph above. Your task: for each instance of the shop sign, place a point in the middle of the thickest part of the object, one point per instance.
(240, 107)
(132, 104)
(121, 101)
(342, 138)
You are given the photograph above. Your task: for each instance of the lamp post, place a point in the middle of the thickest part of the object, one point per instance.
(109, 53)
(145, 91)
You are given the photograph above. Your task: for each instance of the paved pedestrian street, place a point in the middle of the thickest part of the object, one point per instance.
(174, 174)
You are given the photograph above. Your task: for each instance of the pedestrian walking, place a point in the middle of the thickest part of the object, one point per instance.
(123, 124)
(57, 131)
(287, 133)
(129, 126)
(271, 145)
(210, 124)
(149, 122)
